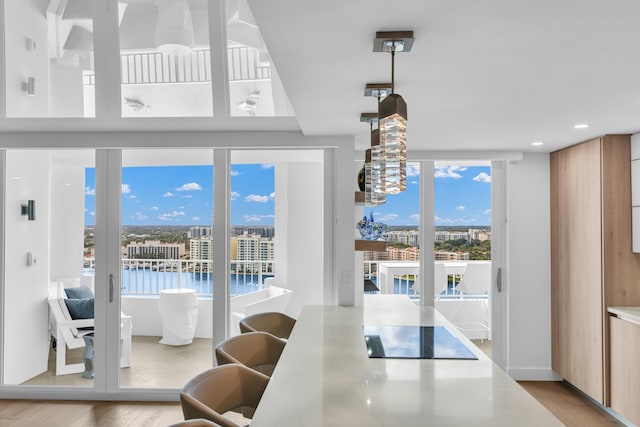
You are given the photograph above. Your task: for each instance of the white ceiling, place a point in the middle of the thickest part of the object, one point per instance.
(482, 75)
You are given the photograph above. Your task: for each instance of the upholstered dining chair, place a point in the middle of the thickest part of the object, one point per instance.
(199, 422)
(278, 324)
(220, 394)
(255, 350)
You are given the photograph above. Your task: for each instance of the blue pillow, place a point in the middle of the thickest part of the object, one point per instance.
(80, 308)
(79, 292)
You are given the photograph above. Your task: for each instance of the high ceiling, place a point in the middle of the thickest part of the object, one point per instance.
(482, 75)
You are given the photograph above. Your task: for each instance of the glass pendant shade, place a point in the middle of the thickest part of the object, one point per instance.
(377, 194)
(374, 193)
(392, 123)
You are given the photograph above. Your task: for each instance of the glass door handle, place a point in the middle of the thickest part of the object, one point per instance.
(499, 280)
(111, 288)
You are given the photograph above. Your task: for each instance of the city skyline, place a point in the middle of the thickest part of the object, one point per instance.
(182, 195)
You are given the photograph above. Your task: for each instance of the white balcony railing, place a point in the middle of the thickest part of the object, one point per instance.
(149, 277)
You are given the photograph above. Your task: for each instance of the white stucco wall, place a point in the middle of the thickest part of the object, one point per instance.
(299, 232)
(529, 268)
(67, 213)
(26, 313)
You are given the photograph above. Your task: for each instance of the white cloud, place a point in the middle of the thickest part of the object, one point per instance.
(195, 218)
(153, 208)
(413, 169)
(168, 194)
(187, 196)
(413, 182)
(256, 198)
(140, 216)
(251, 218)
(92, 213)
(449, 172)
(487, 212)
(131, 196)
(450, 221)
(126, 189)
(482, 177)
(88, 191)
(272, 196)
(415, 217)
(267, 165)
(170, 215)
(234, 173)
(460, 208)
(267, 216)
(190, 186)
(384, 218)
(235, 195)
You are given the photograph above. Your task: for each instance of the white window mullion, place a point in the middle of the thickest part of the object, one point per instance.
(106, 44)
(427, 228)
(221, 244)
(219, 70)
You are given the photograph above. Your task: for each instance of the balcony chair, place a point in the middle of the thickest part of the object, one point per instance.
(255, 350)
(278, 324)
(68, 332)
(219, 394)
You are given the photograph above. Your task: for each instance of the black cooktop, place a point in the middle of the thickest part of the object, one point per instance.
(414, 342)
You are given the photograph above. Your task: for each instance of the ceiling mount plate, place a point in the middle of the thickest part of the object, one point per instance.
(377, 89)
(385, 40)
(369, 117)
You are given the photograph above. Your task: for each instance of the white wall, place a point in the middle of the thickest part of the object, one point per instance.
(26, 314)
(299, 232)
(67, 218)
(529, 268)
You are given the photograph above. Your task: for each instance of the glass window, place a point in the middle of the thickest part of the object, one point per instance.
(49, 59)
(165, 59)
(255, 88)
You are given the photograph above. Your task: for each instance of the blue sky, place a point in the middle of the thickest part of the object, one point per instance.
(181, 195)
(462, 197)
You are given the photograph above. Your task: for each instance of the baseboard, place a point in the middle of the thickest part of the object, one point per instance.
(533, 374)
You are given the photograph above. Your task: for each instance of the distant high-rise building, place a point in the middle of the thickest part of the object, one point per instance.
(201, 249)
(252, 248)
(155, 249)
(262, 231)
(451, 256)
(198, 232)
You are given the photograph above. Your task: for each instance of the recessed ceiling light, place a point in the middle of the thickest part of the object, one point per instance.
(581, 126)
(537, 143)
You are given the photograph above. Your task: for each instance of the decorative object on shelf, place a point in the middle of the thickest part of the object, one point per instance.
(361, 178)
(369, 229)
(392, 115)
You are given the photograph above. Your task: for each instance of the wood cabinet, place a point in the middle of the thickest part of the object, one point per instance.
(625, 377)
(592, 265)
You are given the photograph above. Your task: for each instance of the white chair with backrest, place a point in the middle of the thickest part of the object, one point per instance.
(69, 332)
(476, 279)
(439, 280)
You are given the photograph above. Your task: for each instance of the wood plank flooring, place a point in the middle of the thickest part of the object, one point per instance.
(570, 406)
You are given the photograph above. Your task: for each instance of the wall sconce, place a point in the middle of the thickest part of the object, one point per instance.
(29, 210)
(29, 87)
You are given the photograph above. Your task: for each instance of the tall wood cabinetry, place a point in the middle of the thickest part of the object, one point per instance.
(592, 265)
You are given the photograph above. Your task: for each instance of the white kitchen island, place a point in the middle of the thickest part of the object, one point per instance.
(325, 378)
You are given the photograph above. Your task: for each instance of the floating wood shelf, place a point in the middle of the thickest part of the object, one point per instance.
(371, 245)
(359, 197)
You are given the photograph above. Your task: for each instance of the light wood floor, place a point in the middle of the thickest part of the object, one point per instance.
(569, 405)
(563, 401)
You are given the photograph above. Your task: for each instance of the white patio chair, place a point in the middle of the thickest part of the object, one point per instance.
(68, 332)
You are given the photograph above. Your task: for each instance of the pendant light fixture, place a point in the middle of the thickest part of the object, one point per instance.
(174, 27)
(374, 192)
(392, 115)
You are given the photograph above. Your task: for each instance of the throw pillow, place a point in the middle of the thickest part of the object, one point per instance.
(79, 292)
(80, 308)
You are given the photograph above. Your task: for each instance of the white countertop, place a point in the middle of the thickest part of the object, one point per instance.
(324, 377)
(631, 314)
